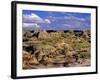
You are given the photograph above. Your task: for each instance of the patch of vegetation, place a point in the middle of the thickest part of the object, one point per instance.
(44, 49)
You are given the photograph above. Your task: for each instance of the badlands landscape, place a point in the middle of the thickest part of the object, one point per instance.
(54, 49)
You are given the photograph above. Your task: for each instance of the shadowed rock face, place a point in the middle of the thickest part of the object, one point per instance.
(45, 49)
(31, 48)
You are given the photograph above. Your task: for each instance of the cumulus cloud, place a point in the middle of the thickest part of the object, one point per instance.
(47, 21)
(34, 25)
(51, 21)
(33, 18)
(29, 18)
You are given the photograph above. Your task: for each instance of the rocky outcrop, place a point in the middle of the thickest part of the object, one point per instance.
(55, 49)
(43, 35)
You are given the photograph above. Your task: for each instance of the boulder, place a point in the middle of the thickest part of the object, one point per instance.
(31, 48)
(43, 35)
(27, 34)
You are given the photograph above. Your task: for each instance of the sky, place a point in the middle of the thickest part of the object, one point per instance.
(51, 20)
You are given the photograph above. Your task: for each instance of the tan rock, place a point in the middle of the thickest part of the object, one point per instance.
(43, 35)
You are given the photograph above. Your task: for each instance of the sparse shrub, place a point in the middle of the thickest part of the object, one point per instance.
(56, 49)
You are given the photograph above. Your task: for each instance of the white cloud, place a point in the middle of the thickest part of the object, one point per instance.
(67, 25)
(34, 25)
(32, 18)
(74, 18)
(47, 21)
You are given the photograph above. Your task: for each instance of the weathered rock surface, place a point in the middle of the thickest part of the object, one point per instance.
(44, 49)
(43, 35)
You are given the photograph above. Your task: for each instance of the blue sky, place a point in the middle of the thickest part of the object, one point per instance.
(50, 20)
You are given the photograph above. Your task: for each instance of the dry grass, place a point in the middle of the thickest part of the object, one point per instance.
(58, 49)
